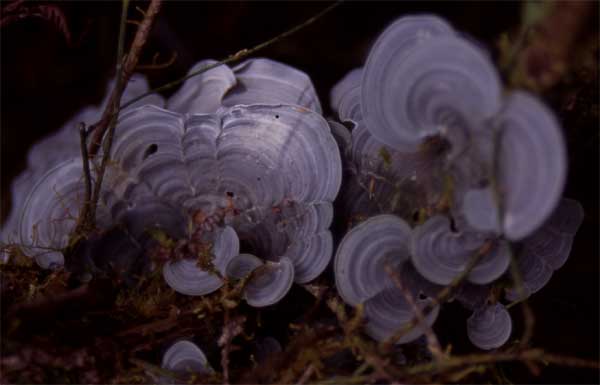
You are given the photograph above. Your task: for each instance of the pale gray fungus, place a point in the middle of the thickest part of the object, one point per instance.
(242, 265)
(269, 282)
(548, 248)
(57, 148)
(360, 275)
(420, 78)
(187, 278)
(440, 254)
(184, 358)
(424, 80)
(255, 81)
(532, 164)
(345, 96)
(264, 175)
(489, 326)
(429, 137)
(388, 311)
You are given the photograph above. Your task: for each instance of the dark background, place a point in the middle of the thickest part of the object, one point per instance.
(45, 80)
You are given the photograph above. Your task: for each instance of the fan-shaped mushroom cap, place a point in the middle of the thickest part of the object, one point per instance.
(255, 157)
(480, 210)
(296, 231)
(269, 82)
(204, 92)
(185, 357)
(345, 96)
(535, 274)
(255, 81)
(533, 164)
(259, 153)
(254, 168)
(342, 136)
(271, 280)
(269, 283)
(489, 327)
(242, 265)
(62, 146)
(531, 170)
(552, 242)
(186, 277)
(547, 249)
(420, 79)
(361, 277)
(440, 255)
(50, 212)
(19, 191)
(362, 255)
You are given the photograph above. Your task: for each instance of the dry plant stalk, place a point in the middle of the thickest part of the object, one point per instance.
(128, 66)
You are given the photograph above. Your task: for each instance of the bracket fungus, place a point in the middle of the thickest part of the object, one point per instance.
(360, 275)
(254, 81)
(190, 188)
(270, 281)
(440, 255)
(59, 147)
(433, 141)
(184, 358)
(548, 248)
(489, 327)
(423, 80)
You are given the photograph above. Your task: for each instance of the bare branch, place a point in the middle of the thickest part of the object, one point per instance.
(83, 219)
(126, 70)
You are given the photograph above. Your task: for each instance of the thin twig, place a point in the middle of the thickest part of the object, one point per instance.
(85, 160)
(574, 362)
(529, 355)
(432, 341)
(124, 72)
(125, 68)
(236, 56)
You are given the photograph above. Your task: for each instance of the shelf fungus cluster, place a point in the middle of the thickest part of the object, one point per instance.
(444, 171)
(446, 179)
(238, 161)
